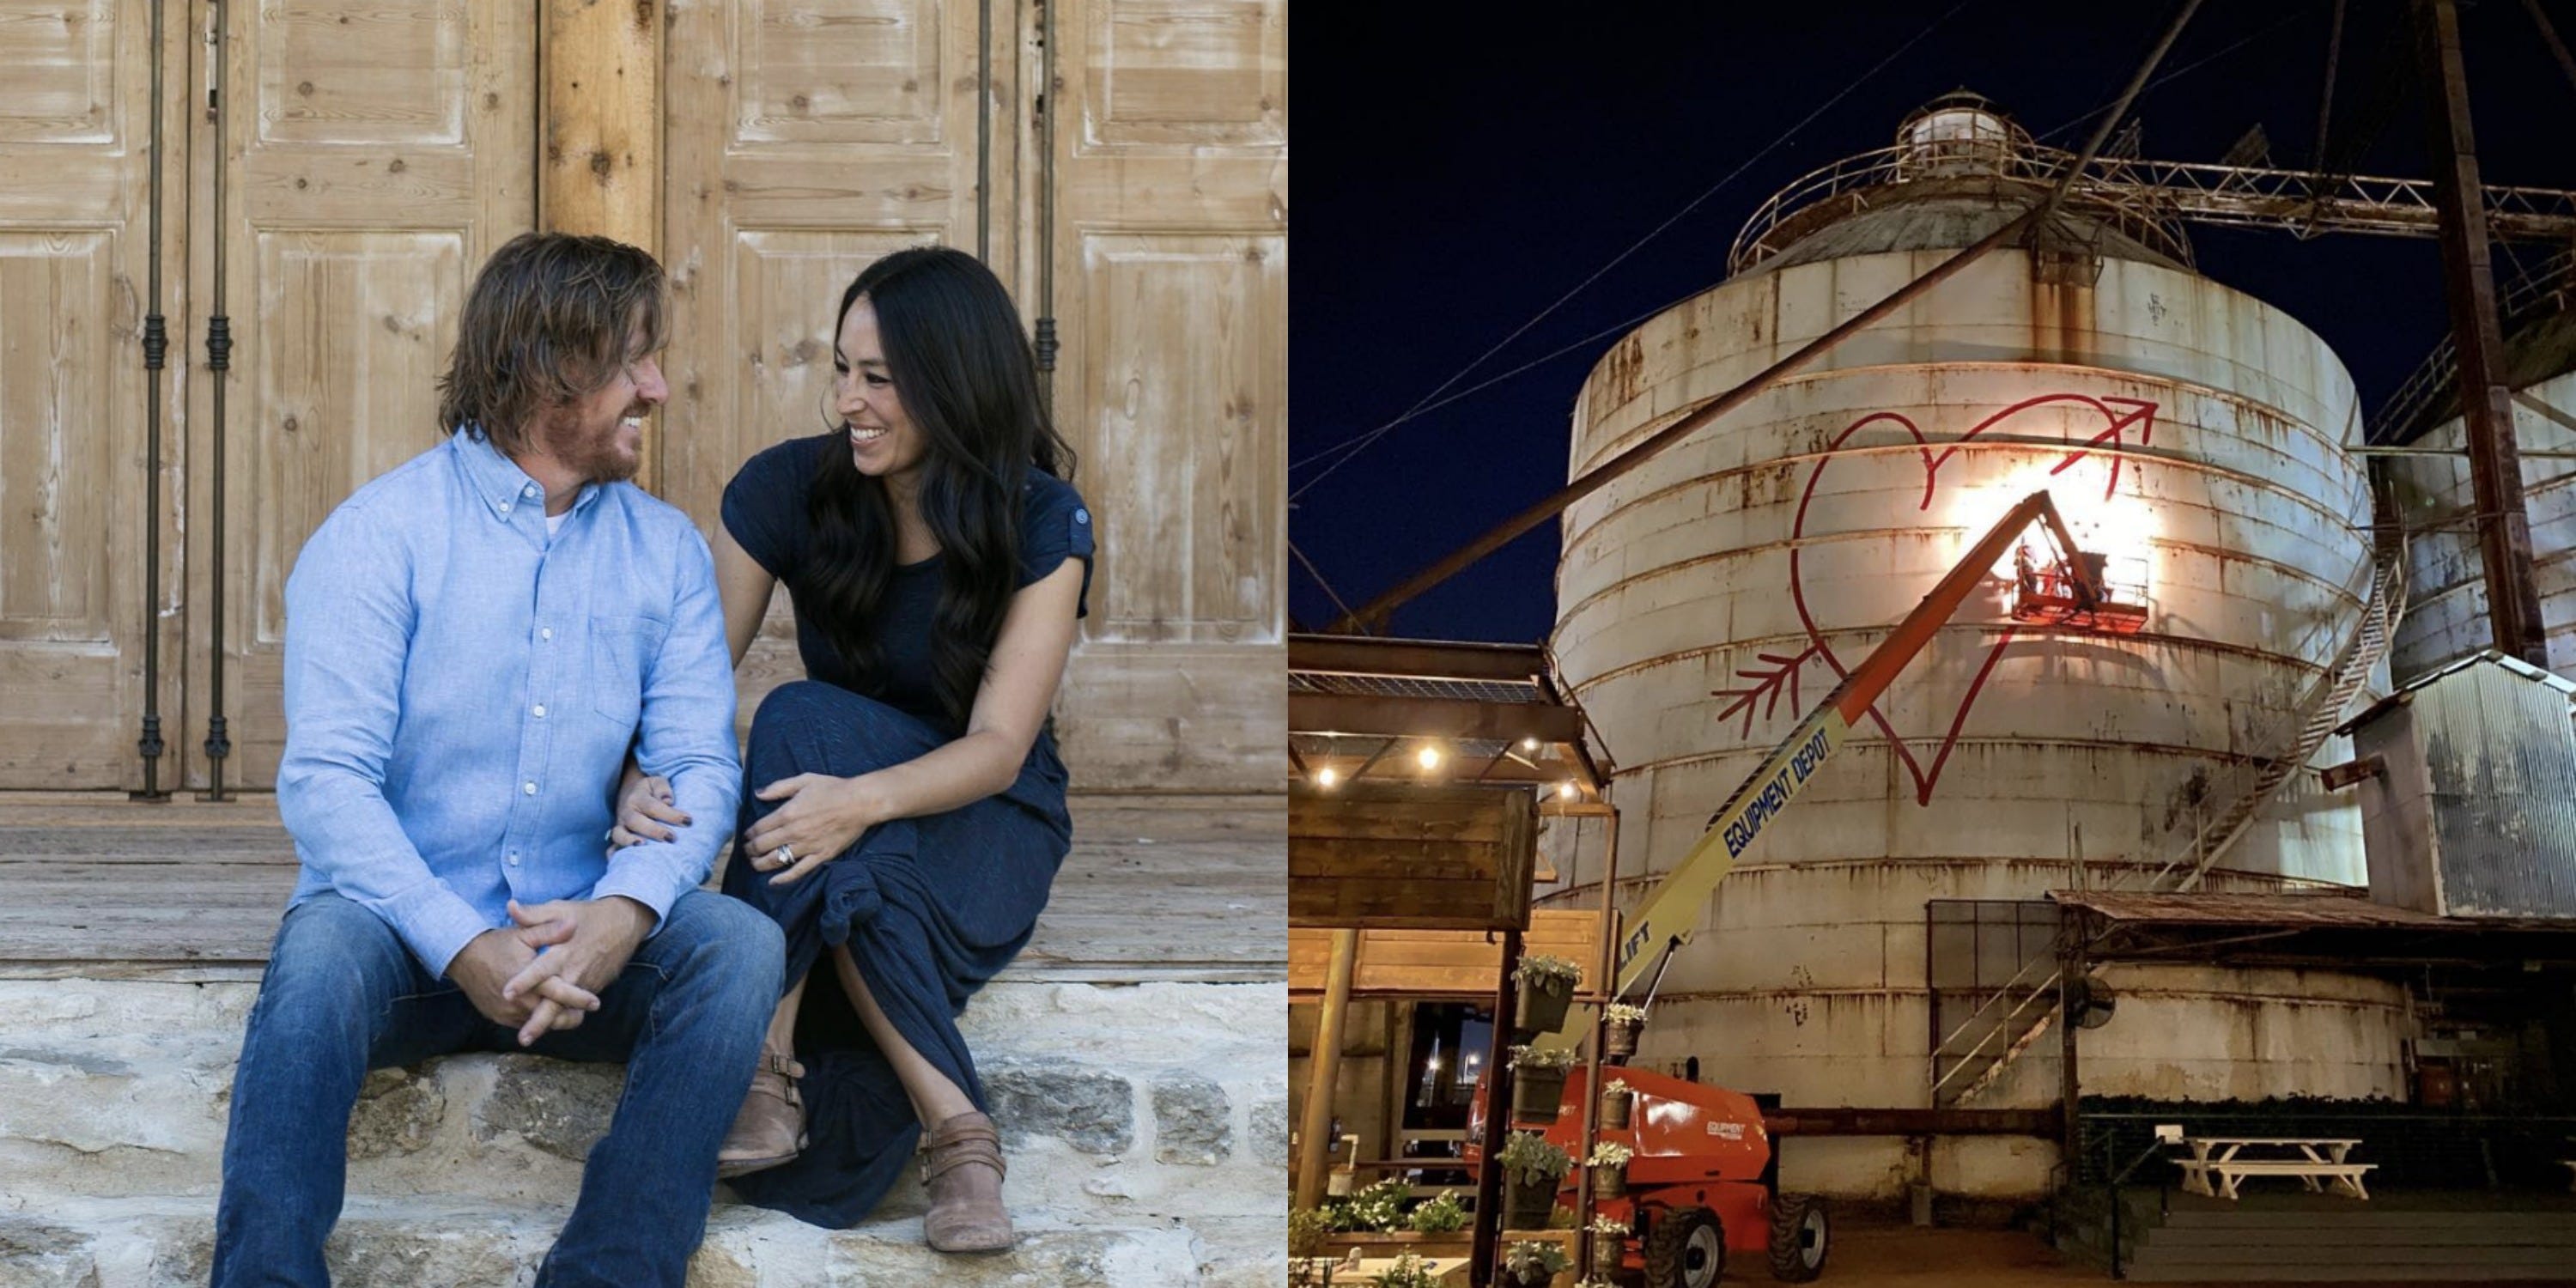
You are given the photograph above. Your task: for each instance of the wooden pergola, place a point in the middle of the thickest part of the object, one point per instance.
(1421, 769)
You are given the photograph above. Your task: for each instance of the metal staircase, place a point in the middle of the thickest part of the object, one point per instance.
(1975, 1053)
(2326, 703)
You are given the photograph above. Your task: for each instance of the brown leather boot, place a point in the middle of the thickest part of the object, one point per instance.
(770, 1130)
(964, 1174)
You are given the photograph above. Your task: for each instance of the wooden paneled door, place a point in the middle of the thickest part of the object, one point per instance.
(75, 267)
(373, 155)
(806, 139)
(1171, 273)
(803, 141)
(367, 157)
(370, 156)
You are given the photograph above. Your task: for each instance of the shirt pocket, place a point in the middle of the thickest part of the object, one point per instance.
(620, 650)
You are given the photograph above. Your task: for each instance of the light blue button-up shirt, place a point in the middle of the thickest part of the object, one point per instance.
(462, 688)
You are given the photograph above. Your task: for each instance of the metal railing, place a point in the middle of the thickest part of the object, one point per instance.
(2150, 200)
(2547, 287)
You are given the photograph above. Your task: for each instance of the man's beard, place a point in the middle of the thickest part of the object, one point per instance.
(593, 456)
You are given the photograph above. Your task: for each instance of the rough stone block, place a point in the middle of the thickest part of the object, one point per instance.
(1270, 1132)
(1092, 1110)
(378, 1245)
(398, 1111)
(36, 1255)
(400, 1253)
(558, 1107)
(1193, 1120)
(183, 1253)
(1106, 1258)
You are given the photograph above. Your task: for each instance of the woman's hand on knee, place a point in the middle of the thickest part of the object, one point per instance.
(820, 817)
(645, 812)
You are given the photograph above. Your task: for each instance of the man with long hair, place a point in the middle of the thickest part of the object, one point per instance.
(474, 641)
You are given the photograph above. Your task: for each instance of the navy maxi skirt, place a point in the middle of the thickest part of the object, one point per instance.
(930, 908)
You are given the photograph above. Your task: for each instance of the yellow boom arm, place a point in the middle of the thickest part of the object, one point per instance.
(1668, 915)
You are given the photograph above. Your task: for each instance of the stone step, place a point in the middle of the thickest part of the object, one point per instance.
(1160, 1106)
(426, 1243)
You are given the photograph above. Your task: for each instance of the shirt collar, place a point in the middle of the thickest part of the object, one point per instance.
(505, 487)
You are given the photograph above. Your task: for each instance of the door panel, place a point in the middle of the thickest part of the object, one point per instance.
(806, 138)
(1172, 270)
(376, 155)
(75, 156)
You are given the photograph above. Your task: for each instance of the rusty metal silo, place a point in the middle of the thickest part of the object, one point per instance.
(2188, 430)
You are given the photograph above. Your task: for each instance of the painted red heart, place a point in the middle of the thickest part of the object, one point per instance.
(2119, 414)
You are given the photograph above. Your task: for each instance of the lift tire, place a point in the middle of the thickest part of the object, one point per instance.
(1686, 1249)
(1799, 1229)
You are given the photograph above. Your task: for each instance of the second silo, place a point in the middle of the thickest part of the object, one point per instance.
(1707, 598)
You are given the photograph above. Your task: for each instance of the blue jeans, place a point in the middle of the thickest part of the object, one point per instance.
(343, 995)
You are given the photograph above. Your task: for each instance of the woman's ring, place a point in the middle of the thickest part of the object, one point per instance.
(784, 855)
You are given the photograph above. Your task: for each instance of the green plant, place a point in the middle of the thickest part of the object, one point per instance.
(1561, 1219)
(1539, 968)
(1307, 1228)
(1608, 1225)
(1409, 1271)
(1611, 1153)
(1380, 1207)
(1622, 1013)
(1530, 1156)
(1616, 1085)
(1536, 1257)
(1442, 1215)
(1530, 1057)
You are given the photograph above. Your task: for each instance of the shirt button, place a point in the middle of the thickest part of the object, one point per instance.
(514, 858)
(532, 489)
(546, 633)
(530, 788)
(541, 711)
(505, 507)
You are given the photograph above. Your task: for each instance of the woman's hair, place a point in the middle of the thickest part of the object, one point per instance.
(548, 322)
(962, 367)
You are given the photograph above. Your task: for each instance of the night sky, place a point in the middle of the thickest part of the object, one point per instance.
(1461, 167)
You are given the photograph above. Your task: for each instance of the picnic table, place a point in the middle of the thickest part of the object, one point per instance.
(2217, 1163)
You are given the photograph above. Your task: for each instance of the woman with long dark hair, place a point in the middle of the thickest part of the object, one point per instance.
(903, 811)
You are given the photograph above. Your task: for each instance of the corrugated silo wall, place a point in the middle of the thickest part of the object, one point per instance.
(2446, 616)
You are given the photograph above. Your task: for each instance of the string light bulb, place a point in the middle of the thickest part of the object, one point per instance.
(1428, 757)
(1566, 792)
(1327, 776)
(1529, 744)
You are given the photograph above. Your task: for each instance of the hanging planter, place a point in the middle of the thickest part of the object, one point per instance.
(1538, 1083)
(1532, 1170)
(1609, 1168)
(1546, 988)
(1526, 1203)
(1620, 1026)
(1616, 1100)
(1609, 1245)
(1533, 1264)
